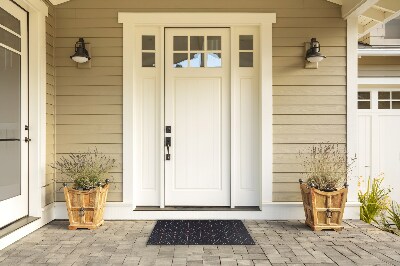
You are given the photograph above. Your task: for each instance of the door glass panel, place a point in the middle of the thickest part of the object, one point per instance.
(10, 39)
(246, 42)
(214, 60)
(364, 95)
(396, 105)
(384, 105)
(214, 43)
(180, 43)
(396, 95)
(148, 42)
(197, 43)
(197, 60)
(384, 95)
(7, 20)
(180, 60)
(10, 121)
(246, 59)
(364, 105)
(148, 59)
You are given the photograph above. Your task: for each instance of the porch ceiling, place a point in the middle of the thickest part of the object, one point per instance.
(371, 13)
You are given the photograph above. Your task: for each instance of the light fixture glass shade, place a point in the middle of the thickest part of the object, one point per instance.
(81, 54)
(313, 54)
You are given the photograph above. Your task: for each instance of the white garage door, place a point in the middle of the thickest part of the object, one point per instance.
(379, 136)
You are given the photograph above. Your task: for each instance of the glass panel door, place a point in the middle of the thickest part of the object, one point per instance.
(13, 113)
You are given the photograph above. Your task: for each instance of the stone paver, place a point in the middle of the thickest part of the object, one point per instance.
(277, 243)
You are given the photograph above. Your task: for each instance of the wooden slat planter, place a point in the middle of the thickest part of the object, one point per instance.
(323, 210)
(85, 207)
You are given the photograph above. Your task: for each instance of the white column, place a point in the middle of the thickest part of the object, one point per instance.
(352, 87)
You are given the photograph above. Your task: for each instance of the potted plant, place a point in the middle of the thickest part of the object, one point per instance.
(324, 192)
(86, 198)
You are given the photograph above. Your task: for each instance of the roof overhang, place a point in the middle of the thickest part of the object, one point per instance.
(371, 13)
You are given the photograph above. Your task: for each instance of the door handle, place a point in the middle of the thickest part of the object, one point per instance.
(27, 139)
(168, 144)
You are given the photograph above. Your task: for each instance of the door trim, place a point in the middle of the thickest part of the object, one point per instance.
(132, 128)
(37, 12)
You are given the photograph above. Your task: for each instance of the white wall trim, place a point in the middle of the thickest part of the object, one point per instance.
(352, 88)
(379, 80)
(46, 217)
(131, 124)
(379, 52)
(270, 211)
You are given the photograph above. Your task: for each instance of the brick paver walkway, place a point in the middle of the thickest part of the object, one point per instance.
(278, 243)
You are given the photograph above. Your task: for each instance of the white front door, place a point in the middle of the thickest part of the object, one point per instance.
(197, 108)
(378, 136)
(13, 113)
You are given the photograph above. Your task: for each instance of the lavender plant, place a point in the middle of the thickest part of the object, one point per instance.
(325, 166)
(86, 170)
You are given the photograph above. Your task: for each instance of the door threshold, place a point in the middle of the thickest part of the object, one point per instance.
(196, 208)
(8, 229)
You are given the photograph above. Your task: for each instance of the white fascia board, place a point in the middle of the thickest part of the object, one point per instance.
(379, 52)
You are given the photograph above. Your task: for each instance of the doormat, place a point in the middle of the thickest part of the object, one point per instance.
(200, 232)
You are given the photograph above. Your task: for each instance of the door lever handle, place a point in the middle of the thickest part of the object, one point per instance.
(168, 144)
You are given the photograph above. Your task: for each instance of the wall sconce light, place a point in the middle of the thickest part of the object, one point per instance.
(81, 54)
(313, 55)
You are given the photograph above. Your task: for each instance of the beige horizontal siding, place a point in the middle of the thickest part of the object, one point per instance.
(309, 104)
(49, 184)
(379, 66)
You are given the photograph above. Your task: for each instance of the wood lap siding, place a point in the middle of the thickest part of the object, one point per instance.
(379, 66)
(309, 104)
(50, 106)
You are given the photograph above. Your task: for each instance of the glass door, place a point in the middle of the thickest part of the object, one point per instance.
(13, 113)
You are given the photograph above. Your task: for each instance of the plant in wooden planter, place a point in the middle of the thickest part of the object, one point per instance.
(324, 192)
(86, 198)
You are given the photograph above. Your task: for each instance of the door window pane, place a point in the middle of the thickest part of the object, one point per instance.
(7, 20)
(180, 43)
(197, 43)
(384, 105)
(10, 124)
(246, 42)
(364, 95)
(364, 105)
(384, 95)
(214, 43)
(148, 42)
(246, 59)
(148, 59)
(180, 60)
(396, 95)
(214, 60)
(396, 105)
(197, 60)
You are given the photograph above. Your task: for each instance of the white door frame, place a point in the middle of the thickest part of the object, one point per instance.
(37, 12)
(131, 123)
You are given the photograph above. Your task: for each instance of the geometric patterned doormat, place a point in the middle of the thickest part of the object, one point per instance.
(200, 232)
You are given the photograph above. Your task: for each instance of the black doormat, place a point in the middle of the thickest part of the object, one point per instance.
(200, 232)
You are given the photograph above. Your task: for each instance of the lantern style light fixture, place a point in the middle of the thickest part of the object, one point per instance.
(81, 54)
(313, 54)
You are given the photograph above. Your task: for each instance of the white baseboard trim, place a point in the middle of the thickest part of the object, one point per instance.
(47, 216)
(270, 211)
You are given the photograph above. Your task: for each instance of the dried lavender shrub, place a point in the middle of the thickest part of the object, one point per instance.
(325, 166)
(87, 169)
